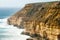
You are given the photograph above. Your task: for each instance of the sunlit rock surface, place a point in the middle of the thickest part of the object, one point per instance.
(40, 20)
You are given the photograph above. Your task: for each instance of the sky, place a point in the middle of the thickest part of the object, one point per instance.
(18, 3)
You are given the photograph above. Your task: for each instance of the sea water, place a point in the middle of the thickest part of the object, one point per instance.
(9, 32)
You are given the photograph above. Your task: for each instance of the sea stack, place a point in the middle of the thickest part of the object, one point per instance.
(41, 20)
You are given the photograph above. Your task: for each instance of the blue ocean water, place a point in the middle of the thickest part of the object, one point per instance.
(9, 32)
(5, 12)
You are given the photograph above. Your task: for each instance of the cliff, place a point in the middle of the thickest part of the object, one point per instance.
(40, 20)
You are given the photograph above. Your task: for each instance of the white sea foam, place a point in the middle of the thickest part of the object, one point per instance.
(9, 32)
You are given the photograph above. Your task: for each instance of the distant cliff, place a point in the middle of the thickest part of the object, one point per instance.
(40, 20)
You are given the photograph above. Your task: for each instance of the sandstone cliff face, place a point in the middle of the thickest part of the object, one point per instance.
(17, 18)
(39, 19)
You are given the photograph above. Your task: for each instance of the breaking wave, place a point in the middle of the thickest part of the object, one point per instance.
(9, 32)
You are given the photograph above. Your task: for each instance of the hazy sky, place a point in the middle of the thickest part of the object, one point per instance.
(18, 3)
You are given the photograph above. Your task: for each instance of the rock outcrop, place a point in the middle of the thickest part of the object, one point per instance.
(40, 20)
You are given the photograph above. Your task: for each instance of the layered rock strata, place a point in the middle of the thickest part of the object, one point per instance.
(40, 20)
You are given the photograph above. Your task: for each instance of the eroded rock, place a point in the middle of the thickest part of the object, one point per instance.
(39, 20)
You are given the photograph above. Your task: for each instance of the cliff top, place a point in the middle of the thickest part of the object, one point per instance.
(46, 12)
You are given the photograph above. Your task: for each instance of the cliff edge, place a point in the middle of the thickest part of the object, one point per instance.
(40, 20)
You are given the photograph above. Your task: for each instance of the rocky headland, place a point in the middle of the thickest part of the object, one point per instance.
(41, 21)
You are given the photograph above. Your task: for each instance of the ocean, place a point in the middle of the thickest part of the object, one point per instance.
(9, 32)
(5, 12)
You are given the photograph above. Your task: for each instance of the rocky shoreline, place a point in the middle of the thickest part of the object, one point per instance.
(41, 21)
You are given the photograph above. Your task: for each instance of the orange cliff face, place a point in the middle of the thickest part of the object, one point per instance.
(17, 18)
(40, 20)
